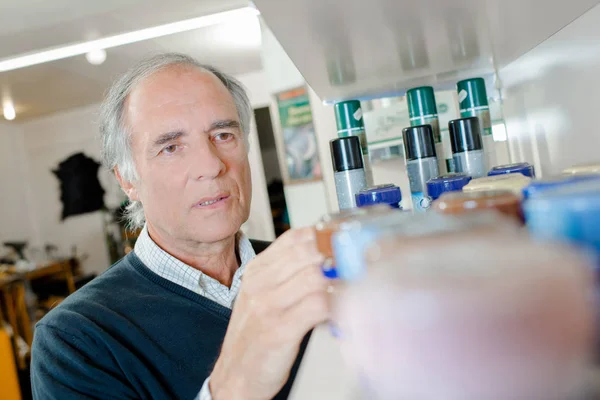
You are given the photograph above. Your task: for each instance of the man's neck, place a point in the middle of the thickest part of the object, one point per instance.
(218, 260)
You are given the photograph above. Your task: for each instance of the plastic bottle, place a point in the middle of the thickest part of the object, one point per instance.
(349, 174)
(421, 163)
(350, 122)
(473, 102)
(467, 147)
(517, 168)
(422, 110)
(381, 194)
(446, 183)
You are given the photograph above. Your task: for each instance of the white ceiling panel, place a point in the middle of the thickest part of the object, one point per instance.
(73, 82)
(363, 49)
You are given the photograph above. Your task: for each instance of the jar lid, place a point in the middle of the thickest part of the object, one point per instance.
(330, 223)
(504, 201)
(539, 186)
(446, 183)
(525, 169)
(513, 182)
(381, 194)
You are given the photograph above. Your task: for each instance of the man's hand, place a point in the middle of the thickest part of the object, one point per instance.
(283, 295)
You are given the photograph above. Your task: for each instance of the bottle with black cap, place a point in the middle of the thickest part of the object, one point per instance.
(421, 163)
(348, 168)
(467, 146)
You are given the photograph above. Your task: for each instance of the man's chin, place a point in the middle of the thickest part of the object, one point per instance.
(214, 231)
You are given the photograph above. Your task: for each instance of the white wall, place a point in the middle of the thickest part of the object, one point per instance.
(48, 141)
(552, 98)
(260, 223)
(306, 202)
(15, 221)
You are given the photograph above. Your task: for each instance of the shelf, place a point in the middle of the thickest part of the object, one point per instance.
(366, 49)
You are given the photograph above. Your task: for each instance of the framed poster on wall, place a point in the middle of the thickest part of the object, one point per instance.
(300, 142)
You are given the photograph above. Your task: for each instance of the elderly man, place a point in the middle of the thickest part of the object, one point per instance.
(159, 323)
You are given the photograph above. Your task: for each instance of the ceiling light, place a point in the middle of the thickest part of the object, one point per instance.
(59, 53)
(96, 57)
(9, 112)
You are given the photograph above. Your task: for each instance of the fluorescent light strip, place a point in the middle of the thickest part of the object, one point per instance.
(76, 49)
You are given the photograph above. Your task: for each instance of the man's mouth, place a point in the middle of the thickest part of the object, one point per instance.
(211, 201)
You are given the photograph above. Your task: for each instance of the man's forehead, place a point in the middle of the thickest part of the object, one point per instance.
(177, 85)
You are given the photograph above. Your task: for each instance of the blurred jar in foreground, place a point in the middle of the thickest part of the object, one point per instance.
(469, 320)
(352, 236)
(503, 201)
(584, 169)
(513, 182)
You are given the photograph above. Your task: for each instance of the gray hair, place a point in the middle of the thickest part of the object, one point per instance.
(116, 141)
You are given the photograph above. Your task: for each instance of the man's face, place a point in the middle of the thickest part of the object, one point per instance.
(189, 151)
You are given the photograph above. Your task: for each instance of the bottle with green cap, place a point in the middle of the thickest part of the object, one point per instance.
(422, 110)
(473, 102)
(350, 122)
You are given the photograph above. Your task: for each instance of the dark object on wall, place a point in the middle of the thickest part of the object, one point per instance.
(18, 248)
(79, 185)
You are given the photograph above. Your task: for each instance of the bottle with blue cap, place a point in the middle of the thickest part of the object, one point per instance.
(517, 168)
(381, 194)
(446, 183)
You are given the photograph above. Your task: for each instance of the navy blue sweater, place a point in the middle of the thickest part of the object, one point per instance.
(130, 334)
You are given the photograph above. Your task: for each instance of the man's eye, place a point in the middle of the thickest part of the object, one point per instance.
(223, 136)
(170, 149)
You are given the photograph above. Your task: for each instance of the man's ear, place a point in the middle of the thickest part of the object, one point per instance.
(126, 186)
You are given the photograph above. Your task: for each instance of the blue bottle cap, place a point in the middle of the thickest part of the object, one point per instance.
(446, 183)
(523, 168)
(539, 186)
(381, 194)
(569, 213)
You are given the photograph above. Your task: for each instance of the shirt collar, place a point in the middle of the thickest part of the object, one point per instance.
(175, 270)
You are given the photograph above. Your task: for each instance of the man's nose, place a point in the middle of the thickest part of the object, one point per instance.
(206, 163)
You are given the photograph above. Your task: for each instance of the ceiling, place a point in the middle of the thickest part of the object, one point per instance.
(363, 49)
(32, 25)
